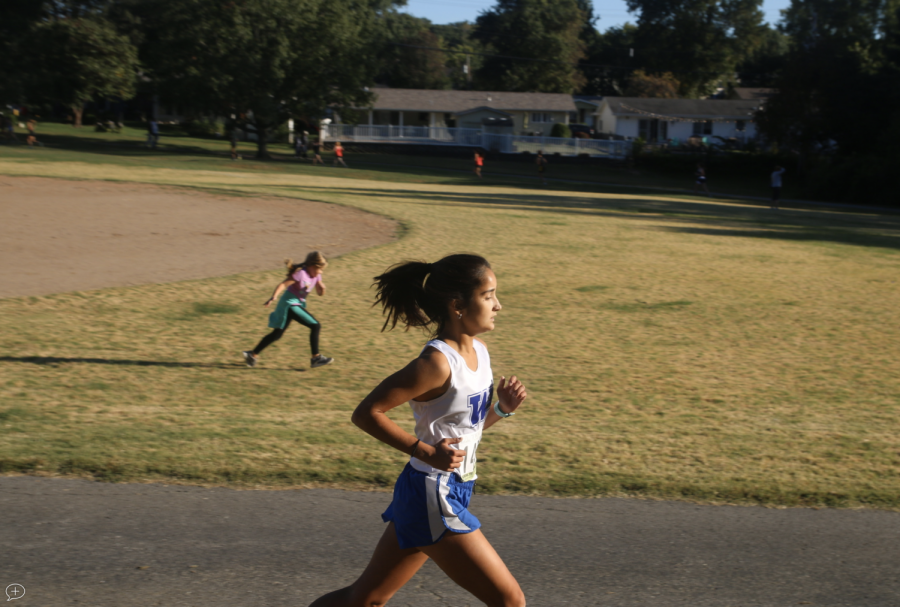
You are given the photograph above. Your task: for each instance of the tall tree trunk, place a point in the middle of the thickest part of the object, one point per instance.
(262, 146)
(78, 112)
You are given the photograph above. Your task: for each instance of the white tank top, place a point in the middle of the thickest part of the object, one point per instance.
(460, 411)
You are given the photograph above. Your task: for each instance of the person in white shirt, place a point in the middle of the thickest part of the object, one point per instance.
(449, 387)
(776, 186)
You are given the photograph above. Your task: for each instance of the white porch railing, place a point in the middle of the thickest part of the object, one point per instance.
(508, 144)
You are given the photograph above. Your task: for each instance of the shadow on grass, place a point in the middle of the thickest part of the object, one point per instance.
(124, 147)
(52, 361)
(710, 218)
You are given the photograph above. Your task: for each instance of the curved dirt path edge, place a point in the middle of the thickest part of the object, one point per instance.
(77, 235)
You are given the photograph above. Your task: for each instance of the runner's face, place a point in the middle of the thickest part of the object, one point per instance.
(313, 271)
(478, 316)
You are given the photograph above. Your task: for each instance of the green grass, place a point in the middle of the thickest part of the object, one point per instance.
(691, 349)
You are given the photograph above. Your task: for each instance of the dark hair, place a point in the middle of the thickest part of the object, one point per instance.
(416, 293)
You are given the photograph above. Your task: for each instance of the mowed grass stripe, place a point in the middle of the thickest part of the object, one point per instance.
(671, 348)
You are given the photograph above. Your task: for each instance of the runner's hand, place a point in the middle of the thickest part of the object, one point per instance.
(442, 456)
(510, 394)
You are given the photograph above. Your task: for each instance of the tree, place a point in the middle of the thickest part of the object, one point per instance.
(16, 19)
(266, 59)
(839, 91)
(699, 41)
(405, 60)
(75, 60)
(762, 66)
(610, 61)
(467, 58)
(538, 43)
(642, 84)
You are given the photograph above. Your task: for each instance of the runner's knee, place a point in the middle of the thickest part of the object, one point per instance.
(514, 599)
(372, 598)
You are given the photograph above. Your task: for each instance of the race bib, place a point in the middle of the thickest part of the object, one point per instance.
(469, 444)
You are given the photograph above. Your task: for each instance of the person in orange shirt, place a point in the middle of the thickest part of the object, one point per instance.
(32, 139)
(479, 162)
(339, 154)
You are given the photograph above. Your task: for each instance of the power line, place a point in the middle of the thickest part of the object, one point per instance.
(555, 62)
(551, 61)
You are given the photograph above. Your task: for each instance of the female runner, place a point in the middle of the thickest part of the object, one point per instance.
(291, 295)
(449, 387)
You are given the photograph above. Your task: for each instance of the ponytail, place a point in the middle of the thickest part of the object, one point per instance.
(417, 294)
(314, 258)
(291, 267)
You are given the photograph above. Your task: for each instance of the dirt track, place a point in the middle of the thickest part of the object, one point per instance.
(58, 236)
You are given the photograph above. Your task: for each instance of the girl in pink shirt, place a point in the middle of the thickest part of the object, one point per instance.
(291, 295)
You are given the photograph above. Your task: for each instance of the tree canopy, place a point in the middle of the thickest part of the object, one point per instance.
(839, 92)
(405, 59)
(75, 60)
(544, 36)
(699, 41)
(265, 59)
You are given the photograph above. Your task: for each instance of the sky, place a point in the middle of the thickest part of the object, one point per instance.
(612, 12)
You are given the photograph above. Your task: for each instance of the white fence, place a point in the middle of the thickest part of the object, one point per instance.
(508, 144)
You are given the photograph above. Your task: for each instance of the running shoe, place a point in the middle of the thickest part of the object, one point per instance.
(320, 361)
(249, 358)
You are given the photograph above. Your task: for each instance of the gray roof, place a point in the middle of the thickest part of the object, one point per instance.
(742, 92)
(451, 102)
(682, 108)
(484, 108)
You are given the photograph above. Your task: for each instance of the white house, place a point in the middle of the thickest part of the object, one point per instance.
(658, 120)
(520, 113)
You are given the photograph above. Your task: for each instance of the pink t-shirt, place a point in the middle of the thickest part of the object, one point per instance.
(304, 284)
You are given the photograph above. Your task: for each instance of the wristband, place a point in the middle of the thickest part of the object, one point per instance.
(415, 447)
(501, 413)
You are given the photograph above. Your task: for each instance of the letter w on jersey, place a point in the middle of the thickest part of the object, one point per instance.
(478, 403)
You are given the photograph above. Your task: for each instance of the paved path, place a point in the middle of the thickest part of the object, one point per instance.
(75, 542)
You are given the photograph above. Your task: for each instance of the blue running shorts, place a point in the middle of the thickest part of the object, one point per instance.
(426, 505)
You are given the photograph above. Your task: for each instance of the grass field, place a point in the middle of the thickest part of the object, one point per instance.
(672, 348)
(178, 150)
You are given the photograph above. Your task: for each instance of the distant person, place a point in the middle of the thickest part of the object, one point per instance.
(541, 164)
(317, 148)
(233, 136)
(339, 154)
(700, 179)
(32, 139)
(8, 128)
(776, 186)
(479, 163)
(152, 133)
(291, 294)
(298, 146)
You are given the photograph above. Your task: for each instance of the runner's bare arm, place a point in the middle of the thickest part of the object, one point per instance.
(511, 396)
(320, 288)
(279, 290)
(424, 378)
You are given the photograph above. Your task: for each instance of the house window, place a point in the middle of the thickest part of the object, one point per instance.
(541, 117)
(653, 130)
(741, 125)
(703, 128)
